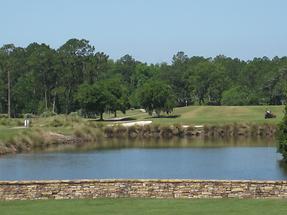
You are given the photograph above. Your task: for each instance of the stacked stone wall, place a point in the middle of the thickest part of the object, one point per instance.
(91, 189)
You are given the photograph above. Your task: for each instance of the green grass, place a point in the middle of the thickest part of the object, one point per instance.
(212, 115)
(6, 133)
(14, 127)
(145, 207)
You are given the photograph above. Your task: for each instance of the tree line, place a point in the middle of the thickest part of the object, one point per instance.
(74, 77)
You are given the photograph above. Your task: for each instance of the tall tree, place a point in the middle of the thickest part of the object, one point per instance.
(207, 81)
(94, 99)
(41, 60)
(6, 65)
(96, 67)
(118, 95)
(73, 54)
(156, 96)
(126, 67)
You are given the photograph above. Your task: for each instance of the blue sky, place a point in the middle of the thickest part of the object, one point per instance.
(151, 30)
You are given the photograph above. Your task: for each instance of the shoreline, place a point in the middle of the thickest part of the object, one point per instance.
(227, 130)
(40, 140)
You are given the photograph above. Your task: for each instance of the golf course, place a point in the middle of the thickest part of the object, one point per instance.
(184, 116)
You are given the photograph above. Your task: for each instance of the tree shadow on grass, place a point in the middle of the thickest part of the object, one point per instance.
(115, 119)
(164, 117)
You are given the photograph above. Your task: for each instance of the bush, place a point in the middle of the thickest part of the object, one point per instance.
(28, 115)
(3, 116)
(48, 114)
(156, 96)
(86, 133)
(109, 131)
(56, 123)
(11, 122)
(282, 136)
(166, 131)
(75, 114)
(234, 96)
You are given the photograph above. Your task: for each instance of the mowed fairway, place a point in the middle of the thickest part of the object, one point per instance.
(212, 115)
(145, 206)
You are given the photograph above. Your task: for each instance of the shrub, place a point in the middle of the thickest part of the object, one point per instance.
(235, 96)
(48, 114)
(109, 131)
(86, 133)
(3, 116)
(28, 115)
(56, 123)
(190, 131)
(282, 136)
(166, 131)
(120, 130)
(178, 130)
(134, 130)
(146, 130)
(10, 122)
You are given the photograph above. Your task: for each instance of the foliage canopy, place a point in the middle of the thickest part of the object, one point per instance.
(45, 79)
(156, 96)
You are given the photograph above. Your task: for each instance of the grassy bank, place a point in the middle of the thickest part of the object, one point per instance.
(90, 135)
(219, 131)
(62, 130)
(145, 206)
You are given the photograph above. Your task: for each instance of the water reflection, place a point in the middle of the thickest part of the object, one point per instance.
(154, 158)
(119, 143)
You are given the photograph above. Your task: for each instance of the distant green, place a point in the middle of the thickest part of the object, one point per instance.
(201, 115)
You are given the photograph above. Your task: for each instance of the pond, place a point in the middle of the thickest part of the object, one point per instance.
(157, 159)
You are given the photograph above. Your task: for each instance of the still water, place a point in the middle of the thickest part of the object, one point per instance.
(180, 158)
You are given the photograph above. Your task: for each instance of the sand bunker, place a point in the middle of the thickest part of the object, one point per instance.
(140, 123)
